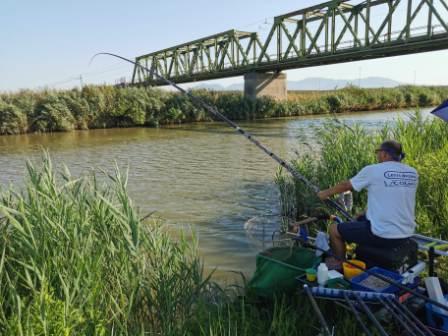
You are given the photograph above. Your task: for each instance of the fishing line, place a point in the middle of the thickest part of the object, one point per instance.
(214, 111)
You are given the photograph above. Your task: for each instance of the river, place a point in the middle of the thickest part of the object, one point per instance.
(203, 177)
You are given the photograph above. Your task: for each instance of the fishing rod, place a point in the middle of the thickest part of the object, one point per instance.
(357, 315)
(318, 312)
(215, 112)
(411, 315)
(370, 315)
(401, 319)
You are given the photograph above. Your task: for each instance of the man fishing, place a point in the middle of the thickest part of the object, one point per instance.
(390, 216)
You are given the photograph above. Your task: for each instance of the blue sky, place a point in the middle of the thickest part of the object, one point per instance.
(50, 43)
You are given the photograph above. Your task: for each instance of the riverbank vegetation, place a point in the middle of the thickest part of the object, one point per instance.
(344, 150)
(76, 258)
(108, 106)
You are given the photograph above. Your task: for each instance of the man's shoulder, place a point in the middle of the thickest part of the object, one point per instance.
(373, 167)
(405, 167)
(390, 165)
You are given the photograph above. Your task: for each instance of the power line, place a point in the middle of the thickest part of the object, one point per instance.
(81, 77)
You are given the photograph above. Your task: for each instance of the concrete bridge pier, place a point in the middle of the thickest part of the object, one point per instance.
(271, 84)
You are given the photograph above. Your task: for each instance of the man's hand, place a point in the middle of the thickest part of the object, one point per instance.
(361, 214)
(323, 194)
(337, 189)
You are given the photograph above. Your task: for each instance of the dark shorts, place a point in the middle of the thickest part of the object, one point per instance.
(359, 232)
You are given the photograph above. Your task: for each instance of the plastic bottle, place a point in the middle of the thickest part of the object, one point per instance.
(322, 274)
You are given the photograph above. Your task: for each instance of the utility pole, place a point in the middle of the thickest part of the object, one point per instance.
(80, 81)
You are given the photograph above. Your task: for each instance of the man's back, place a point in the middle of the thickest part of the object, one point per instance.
(391, 187)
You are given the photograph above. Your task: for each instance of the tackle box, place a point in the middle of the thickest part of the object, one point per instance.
(370, 283)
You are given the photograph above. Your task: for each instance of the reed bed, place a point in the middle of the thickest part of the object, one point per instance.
(109, 106)
(77, 260)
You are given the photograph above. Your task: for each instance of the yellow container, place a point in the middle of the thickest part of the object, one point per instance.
(351, 271)
(311, 274)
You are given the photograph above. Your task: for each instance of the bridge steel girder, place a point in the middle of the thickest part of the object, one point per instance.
(332, 32)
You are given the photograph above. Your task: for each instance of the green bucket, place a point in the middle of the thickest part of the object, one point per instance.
(277, 270)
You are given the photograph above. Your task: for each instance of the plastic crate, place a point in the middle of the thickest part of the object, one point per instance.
(370, 283)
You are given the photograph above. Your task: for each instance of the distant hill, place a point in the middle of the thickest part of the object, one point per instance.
(315, 83)
(331, 84)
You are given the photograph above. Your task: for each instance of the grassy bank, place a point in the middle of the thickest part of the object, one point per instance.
(108, 106)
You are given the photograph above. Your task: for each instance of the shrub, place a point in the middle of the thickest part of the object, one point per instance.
(425, 99)
(12, 120)
(129, 108)
(97, 106)
(52, 114)
(265, 107)
(79, 108)
(335, 103)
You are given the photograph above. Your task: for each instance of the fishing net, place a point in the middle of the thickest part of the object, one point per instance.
(277, 269)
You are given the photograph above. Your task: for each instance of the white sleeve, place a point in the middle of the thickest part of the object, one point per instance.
(362, 179)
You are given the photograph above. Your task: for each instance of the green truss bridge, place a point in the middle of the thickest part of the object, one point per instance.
(332, 32)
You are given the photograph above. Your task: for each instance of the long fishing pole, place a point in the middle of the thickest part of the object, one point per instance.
(411, 315)
(370, 314)
(401, 319)
(318, 312)
(357, 315)
(214, 111)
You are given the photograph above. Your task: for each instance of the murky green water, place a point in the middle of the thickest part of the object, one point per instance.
(204, 176)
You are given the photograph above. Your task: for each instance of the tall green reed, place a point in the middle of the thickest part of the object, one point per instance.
(77, 260)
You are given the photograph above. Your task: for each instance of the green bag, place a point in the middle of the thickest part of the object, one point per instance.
(277, 270)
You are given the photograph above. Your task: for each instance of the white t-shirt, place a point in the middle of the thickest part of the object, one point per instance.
(391, 188)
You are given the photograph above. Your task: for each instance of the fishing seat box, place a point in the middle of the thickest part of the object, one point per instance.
(398, 259)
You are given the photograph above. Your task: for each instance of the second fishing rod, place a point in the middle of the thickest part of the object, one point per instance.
(214, 111)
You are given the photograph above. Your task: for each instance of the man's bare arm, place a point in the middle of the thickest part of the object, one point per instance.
(337, 189)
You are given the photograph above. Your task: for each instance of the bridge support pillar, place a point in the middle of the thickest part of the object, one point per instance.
(271, 84)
